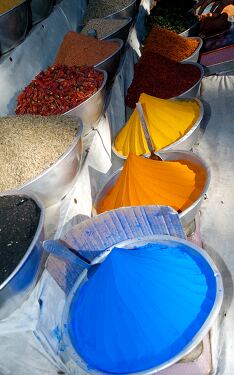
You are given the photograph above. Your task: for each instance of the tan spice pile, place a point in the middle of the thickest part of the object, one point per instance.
(79, 49)
(169, 44)
(30, 144)
(104, 27)
(6, 5)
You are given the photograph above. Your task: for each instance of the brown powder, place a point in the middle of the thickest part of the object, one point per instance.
(79, 49)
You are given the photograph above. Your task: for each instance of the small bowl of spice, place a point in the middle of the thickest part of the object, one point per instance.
(106, 28)
(21, 227)
(111, 9)
(40, 154)
(169, 44)
(14, 23)
(79, 49)
(77, 91)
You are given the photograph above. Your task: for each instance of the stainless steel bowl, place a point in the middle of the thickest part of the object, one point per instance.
(41, 9)
(56, 181)
(14, 26)
(91, 110)
(186, 142)
(111, 63)
(128, 11)
(194, 57)
(16, 288)
(122, 32)
(192, 31)
(188, 215)
(194, 90)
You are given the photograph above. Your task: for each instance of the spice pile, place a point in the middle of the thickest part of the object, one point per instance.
(104, 27)
(6, 5)
(171, 15)
(78, 49)
(19, 218)
(167, 122)
(58, 89)
(159, 76)
(169, 44)
(212, 25)
(31, 144)
(145, 182)
(102, 8)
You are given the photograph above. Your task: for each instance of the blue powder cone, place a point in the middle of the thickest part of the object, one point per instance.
(141, 307)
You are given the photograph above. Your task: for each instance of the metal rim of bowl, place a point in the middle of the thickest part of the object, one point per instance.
(200, 161)
(16, 6)
(196, 339)
(199, 66)
(91, 97)
(129, 20)
(197, 49)
(185, 136)
(57, 161)
(117, 41)
(190, 28)
(121, 10)
(40, 204)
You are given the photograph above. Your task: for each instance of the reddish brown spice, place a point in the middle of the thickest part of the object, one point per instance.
(159, 76)
(58, 89)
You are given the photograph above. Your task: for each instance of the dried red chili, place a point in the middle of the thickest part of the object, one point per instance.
(159, 76)
(58, 89)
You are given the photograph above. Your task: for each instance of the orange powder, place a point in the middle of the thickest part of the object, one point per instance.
(145, 182)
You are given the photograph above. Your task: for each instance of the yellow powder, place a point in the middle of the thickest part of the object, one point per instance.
(147, 182)
(6, 5)
(167, 121)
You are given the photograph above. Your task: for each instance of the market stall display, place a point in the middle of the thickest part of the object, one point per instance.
(42, 154)
(14, 23)
(21, 224)
(169, 44)
(164, 78)
(192, 280)
(112, 9)
(170, 123)
(105, 28)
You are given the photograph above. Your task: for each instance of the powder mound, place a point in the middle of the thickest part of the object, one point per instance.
(147, 182)
(6, 5)
(210, 26)
(159, 76)
(169, 44)
(79, 49)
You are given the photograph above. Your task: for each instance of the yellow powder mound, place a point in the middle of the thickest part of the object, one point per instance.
(145, 182)
(167, 121)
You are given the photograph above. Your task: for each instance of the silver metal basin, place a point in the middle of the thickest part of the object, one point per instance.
(186, 142)
(16, 288)
(192, 31)
(194, 57)
(91, 110)
(194, 90)
(188, 215)
(41, 9)
(122, 32)
(111, 63)
(56, 181)
(129, 11)
(14, 26)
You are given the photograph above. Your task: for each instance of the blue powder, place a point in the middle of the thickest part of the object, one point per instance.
(141, 307)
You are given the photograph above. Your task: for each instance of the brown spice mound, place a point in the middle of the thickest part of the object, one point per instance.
(79, 49)
(6, 5)
(212, 25)
(169, 44)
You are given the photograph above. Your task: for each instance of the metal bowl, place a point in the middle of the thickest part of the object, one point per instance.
(193, 91)
(56, 181)
(91, 110)
(69, 353)
(111, 63)
(188, 215)
(41, 9)
(14, 26)
(186, 142)
(16, 288)
(122, 32)
(129, 11)
(192, 31)
(194, 57)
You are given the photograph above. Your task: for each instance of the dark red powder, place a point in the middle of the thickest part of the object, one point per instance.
(159, 76)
